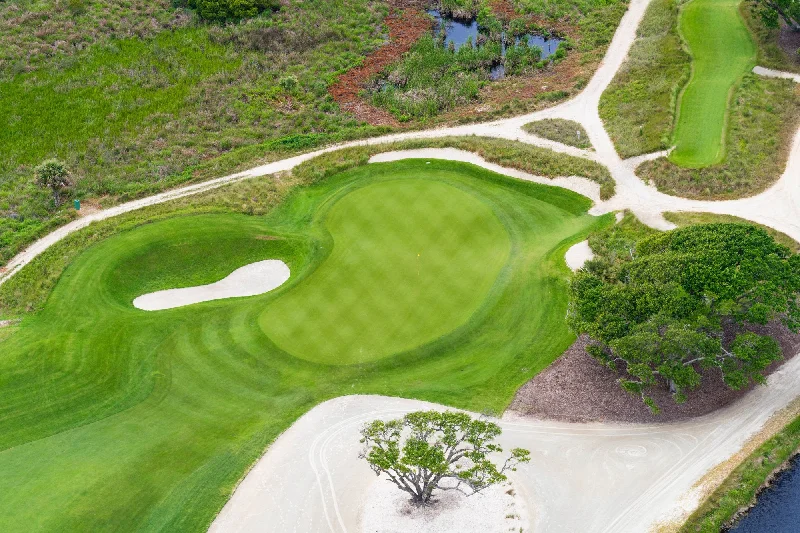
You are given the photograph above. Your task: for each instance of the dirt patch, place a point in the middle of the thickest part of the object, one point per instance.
(789, 42)
(406, 26)
(576, 388)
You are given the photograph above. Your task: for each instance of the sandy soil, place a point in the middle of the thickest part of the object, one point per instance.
(578, 254)
(590, 477)
(494, 510)
(249, 280)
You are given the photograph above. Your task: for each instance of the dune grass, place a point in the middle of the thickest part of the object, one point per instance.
(564, 131)
(741, 487)
(722, 51)
(638, 107)
(119, 419)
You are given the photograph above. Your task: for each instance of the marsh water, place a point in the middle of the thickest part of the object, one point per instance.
(459, 31)
(778, 507)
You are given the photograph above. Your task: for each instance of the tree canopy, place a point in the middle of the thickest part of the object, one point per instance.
(771, 11)
(228, 10)
(429, 450)
(661, 313)
(52, 174)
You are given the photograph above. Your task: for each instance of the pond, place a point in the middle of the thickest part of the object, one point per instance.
(778, 507)
(459, 31)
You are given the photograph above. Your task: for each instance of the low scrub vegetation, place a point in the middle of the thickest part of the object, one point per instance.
(763, 117)
(560, 130)
(433, 77)
(638, 108)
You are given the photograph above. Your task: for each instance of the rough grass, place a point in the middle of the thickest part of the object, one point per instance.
(560, 130)
(763, 118)
(114, 418)
(512, 154)
(722, 51)
(740, 488)
(638, 108)
(770, 54)
(132, 116)
(687, 219)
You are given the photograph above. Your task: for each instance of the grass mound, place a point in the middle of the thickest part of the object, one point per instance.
(564, 131)
(115, 418)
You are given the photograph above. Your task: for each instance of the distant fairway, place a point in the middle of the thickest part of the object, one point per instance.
(722, 52)
(115, 419)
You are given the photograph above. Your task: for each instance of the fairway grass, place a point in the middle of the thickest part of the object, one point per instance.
(722, 51)
(119, 419)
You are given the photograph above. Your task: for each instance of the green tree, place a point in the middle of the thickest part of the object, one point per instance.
(52, 174)
(661, 314)
(771, 11)
(229, 10)
(425, 448)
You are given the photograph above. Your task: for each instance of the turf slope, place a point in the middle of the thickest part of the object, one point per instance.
(722, 52)
(115, 419)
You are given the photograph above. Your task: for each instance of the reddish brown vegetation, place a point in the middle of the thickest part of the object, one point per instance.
(405, 27)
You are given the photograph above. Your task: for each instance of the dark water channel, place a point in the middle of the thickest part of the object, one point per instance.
(459, 31)
(778, 507)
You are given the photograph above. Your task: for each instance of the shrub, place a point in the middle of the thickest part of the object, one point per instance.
(230, 10)
(53, 174)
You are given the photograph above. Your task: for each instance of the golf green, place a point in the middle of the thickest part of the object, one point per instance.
(722, 52)
(412, 260)
(119, 419)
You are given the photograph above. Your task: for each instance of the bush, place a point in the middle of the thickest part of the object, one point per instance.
(53, 174)
(230, 10)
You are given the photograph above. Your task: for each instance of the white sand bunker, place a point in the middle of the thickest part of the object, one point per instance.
(578, 255)
(249, 280)
(496, 509)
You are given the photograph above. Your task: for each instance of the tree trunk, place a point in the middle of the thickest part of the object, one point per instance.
(672, 387)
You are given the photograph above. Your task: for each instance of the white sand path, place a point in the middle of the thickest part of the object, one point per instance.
(249, 280)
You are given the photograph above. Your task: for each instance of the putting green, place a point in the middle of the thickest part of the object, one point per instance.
(722, 52)
(119, 419)
(412, 260)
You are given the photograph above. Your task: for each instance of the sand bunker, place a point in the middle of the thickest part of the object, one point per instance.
(578, 254)
(250, 280)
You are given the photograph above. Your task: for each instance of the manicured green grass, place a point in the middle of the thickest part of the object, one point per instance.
(118, 419)
(413, 260)
(722, 52)
(763, 118)
(560, 130)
